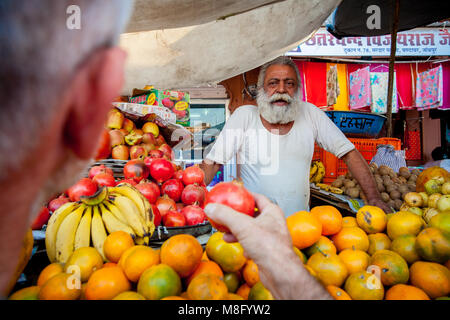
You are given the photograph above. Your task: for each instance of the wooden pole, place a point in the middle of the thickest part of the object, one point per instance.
(391, 67)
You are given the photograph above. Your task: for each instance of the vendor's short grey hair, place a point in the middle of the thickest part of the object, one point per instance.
(39, 55)
(282, 60)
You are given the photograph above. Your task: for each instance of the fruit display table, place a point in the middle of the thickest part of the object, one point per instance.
(350, 206)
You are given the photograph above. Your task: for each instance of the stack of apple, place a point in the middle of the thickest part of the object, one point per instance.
(434, 200)
(126, 141)
(177, 196)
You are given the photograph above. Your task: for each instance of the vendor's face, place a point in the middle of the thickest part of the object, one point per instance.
(280, 79)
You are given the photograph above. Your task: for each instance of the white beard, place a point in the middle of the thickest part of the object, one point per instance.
(275, 114)
(68, 173)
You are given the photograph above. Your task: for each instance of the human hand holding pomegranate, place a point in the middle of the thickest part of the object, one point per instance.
(266, 240)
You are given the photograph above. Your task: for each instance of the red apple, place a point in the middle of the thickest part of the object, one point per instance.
(84, 187)
(41, 219)
(120, 153)
(167, 151)
(115, 119)
(104, 180)
(138, 152)
(148, 138)
(128, 125)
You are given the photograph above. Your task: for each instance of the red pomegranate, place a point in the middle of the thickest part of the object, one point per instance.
(150, 190)
(194, 215)
(193, 175)
(173, 188)
(161, 170)
(193, 194)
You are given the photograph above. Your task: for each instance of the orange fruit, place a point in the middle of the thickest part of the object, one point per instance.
(116, 244)
(349, 222)
(259, 292)
(441, 221)
(183, 253)
(351, 237)
(109, 265)
(232, 281)
(207, 287)
(393, 268)
(209, 267)
(433, 245)
(378, 241)
(243, 291)
(158, 282)
(300, 254)
(135, 260)
(364, 285)
(405, 292)
(305, 229)
(337, 293)
(107, 283)
(85, 261)
(60, 287)
(233, 296)
(48, 272)
(329, 268)
(371, 219)
(250, 273)
(405, 246)
(404, 223)
(324, 245)
(431, 277)
(330, 217)
(28, 293)
(205, 256)
(173, 298)
(129, 295)
(229, 256)
(354, 260)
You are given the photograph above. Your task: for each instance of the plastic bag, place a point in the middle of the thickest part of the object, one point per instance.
(388, 156)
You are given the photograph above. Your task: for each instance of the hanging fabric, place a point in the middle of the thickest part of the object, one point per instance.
(404, 86)
(342, 102)
(302, 77)
(429, 89)
(333, 90)
(315, 74)
(360, 94)
(446, 86)
(379, 90)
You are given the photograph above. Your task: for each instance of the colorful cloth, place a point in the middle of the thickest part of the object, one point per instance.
(315, 74)
(333, 90)
(360, 94)
(446, 84)
(429, 89)
(404, 86)
(379, 88)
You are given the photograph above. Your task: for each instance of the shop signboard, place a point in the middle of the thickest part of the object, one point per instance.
(415, 42)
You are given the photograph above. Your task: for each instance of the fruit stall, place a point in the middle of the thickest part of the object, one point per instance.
(133, 226)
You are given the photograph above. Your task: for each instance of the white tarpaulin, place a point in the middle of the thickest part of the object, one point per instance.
(211, 52)
(164, 14)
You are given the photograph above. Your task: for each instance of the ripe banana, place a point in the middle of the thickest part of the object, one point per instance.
(115, 211)
(98, 231)
(132, 193)
(336, 190)
(131, 213)
(53, 225)
(83, 234)
(112, 224)
(312, 170)
(65, 237)
(323, 186)
(320, 172)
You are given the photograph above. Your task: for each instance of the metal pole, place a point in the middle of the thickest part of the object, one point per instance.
(391, 67)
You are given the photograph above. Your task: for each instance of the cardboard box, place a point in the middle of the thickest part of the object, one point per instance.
(177, 102)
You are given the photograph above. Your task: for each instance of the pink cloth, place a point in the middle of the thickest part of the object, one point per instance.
(429, 89)
(404, 86)
(360, 93)
(446, 86)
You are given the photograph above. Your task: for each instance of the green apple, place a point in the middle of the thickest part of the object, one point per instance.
(433, 186)
(443, 204)
(416, 210)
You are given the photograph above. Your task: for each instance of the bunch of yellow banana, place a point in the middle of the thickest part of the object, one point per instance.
(89, 221)
(316, 172)
(329, 188)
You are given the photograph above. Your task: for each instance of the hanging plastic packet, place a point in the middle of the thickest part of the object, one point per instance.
(388, 156)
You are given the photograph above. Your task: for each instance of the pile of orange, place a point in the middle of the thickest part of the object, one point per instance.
(180, 269)
(370, 256)
(373, 255)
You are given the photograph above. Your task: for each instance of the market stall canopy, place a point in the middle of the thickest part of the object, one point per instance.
(374, 17)
(199, 55)
(156, 14)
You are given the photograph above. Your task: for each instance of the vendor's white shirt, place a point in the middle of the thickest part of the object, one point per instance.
(277, 166)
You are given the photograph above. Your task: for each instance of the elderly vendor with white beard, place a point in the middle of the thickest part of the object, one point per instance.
(274, 142)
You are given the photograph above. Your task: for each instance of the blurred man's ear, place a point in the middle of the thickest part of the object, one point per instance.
(97, 82)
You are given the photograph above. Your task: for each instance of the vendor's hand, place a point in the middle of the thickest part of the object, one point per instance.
(380, 204)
